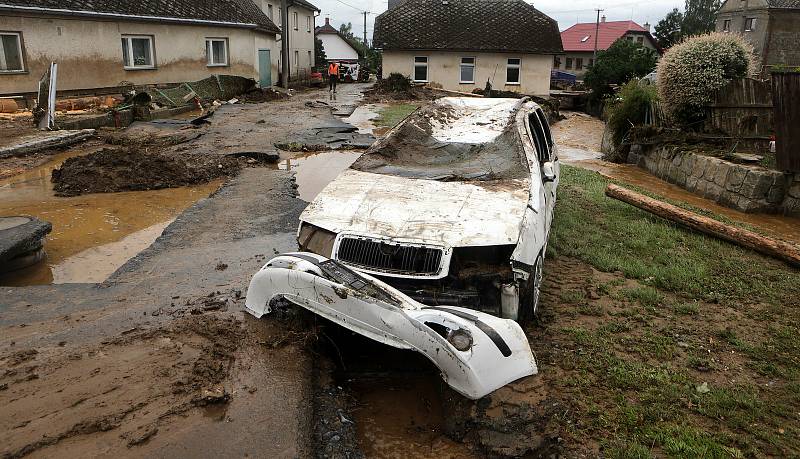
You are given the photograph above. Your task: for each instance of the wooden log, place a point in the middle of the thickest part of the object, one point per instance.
(762, 244)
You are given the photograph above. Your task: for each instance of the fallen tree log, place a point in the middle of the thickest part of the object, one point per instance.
(762, 244)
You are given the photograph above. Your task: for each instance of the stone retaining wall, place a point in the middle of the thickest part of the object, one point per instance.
(743, 187)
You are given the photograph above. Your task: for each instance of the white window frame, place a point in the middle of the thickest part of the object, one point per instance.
(310, 59)
(420, 64)
(210, 49)
(270, 12)
(296, 59)
(752, 24)
(294, 17)
(308, 24)
(462, 65)
(151, 39)
(519, 71)
(19, 50)
(726, 25)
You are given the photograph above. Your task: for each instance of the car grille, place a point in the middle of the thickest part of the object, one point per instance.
(388, 257)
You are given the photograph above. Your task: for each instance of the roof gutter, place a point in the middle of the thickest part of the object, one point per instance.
(133, 17)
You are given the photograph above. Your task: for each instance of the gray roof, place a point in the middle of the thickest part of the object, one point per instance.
(239, 12)
(467, 25)
(304, 4)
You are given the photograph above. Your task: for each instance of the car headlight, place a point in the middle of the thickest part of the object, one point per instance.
(460, 339)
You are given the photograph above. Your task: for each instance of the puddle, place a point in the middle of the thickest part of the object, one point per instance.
(314, 170)
(93, 234)
(363, 117)
(400, 416)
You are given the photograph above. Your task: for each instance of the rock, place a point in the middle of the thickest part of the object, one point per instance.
(21, 237)
(746, 158)
(735, 178)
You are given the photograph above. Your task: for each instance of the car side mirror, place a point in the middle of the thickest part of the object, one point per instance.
(548, 172)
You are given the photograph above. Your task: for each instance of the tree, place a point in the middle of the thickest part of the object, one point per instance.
(347, 31)
(691, 72)
(319, 53)
(622, 61)
(668, 31)
(699, 17)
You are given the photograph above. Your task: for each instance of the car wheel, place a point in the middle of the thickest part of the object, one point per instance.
(530, 300)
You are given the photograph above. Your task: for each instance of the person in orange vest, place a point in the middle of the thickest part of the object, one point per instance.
(333, 75)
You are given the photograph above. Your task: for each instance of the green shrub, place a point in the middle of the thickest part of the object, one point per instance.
(628, 108)
(691, 72)
(622, 61)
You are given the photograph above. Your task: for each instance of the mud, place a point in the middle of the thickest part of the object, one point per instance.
(129, 169)
(411, 151)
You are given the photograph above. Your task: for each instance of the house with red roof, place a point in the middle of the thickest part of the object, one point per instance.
(579, 42)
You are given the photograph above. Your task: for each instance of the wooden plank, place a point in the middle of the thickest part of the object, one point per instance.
(786, 90)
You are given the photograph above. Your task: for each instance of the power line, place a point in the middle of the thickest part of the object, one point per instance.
(351, 6)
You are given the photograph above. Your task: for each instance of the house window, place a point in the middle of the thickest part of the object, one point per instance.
(749, 24)
(294, 20)
(556, 62)
(578, 63)
(217, 52)
(591, 62)
(279, 18)
(512, 70)
(310, 60)
(421, 68)
(629, 37)
(640, 40)
(726, 25)
(11, 52)
(270, 12)
(137, 51)
(569, 63)
(297, 58)
(308, 23)
(467, 70)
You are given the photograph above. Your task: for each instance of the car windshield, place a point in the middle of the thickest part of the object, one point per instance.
(453, 139)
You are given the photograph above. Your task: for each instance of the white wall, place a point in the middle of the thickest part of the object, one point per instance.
(444, 69)
(337, 48)
(89, 52)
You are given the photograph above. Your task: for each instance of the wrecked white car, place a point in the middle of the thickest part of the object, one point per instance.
(444, 223)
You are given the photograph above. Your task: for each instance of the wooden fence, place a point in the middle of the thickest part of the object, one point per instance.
(786, 93)
(743, 110)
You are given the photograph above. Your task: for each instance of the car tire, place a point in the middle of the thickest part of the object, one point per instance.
(530, 299)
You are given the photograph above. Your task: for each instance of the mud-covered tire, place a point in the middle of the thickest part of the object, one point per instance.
(529, 301)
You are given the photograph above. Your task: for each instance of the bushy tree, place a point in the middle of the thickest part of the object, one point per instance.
(691, 72)
(699, 17)
(319, 53)
(622, 61)
(628, 108)
(668, 30)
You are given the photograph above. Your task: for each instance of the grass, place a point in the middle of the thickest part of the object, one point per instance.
(390, 115)
(693, 310)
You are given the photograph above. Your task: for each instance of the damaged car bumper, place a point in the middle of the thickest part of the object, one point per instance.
(476, 353)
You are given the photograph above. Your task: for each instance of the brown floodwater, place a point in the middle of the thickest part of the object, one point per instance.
(400, 416)
(314, 170)
(93, 234)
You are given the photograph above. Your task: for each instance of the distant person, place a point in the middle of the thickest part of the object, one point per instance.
(333, 75)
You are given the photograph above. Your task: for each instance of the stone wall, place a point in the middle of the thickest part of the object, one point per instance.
(743, 187)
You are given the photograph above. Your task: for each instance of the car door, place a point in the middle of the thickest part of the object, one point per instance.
(551, 187)
(544, 155)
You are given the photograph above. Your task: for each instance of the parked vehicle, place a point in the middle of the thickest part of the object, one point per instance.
(434, 240)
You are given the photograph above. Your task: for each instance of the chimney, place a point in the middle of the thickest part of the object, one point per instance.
(327, 21)
(393, 3)
(647, 26)
(603, 18)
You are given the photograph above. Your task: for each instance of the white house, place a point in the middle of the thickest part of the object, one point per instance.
(302, 19)
(460, 44)
(335, 46)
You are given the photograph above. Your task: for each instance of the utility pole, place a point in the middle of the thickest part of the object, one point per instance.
(596, 31)
(365, 28)
(285, 44)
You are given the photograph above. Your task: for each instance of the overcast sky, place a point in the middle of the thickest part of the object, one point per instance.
(566, 13)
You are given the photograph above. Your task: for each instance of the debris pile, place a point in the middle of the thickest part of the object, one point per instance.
(127, 169)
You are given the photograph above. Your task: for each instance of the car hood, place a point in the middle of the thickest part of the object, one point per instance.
(454, 214)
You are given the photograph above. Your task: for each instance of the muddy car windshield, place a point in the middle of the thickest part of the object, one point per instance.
(453, 139)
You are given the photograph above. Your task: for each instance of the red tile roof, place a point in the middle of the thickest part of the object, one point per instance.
(580, 37)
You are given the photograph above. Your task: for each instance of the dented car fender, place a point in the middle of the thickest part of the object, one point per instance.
(475, 352)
